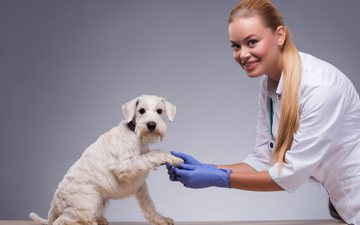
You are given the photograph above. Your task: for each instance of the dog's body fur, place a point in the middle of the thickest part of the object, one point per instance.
(113, 167)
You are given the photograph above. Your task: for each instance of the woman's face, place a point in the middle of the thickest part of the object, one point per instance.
(257, 48)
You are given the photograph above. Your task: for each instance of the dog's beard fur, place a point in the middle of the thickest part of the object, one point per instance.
(149, 137)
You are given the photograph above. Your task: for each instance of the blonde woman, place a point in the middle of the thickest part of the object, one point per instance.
(308, 122)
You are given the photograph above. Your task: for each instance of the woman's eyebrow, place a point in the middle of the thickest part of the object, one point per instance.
(249, 37)
(245, 39)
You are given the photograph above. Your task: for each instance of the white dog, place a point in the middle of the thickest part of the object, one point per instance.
(114, 167)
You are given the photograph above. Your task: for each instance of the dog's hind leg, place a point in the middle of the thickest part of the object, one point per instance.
(147, 206)
(66, 220)
(52, 215)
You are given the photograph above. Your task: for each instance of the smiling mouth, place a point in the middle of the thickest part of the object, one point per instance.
(248, 66)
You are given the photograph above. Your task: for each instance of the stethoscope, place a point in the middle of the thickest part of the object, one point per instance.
(271, 143)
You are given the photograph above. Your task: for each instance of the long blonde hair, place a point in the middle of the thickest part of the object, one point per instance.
(290, 115)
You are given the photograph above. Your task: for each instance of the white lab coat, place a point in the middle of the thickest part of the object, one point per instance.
(326, 147)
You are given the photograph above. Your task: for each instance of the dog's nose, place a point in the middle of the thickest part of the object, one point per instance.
(151, 126)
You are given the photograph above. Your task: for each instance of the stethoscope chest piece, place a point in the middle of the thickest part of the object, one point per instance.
(271, 144)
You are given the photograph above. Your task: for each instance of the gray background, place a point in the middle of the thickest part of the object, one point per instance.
(67, 66)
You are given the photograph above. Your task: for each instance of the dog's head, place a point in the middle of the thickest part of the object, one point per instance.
(144, 115)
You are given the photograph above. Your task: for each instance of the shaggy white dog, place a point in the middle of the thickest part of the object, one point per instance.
(115, 167)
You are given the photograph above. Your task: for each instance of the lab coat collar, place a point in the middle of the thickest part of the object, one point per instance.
(275, 88)
(280, 85)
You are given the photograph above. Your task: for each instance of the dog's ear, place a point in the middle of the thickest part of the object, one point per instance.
(170, 110)
(128, 109)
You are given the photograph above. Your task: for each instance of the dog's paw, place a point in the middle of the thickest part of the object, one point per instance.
(102, 221)
(159, 158)
(161, 220)
(176, 161)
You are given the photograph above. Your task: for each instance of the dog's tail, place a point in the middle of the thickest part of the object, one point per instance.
(38, 219)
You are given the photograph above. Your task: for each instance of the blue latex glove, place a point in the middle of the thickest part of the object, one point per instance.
(187, 160)
(202, 176)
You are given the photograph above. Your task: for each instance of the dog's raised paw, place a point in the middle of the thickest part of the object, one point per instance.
(176, 161)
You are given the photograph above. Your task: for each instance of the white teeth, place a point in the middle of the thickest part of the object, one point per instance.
(250, 63)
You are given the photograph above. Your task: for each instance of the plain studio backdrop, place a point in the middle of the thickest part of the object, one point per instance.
(66, 67)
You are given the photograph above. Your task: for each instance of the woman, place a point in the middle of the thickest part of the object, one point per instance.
(308, 122)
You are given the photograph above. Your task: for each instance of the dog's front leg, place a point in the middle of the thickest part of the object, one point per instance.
(133, 166)
(142, 164)
(147, 206)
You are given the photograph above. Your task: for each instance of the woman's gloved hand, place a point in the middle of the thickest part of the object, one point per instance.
(189, 160)
(202, 176)
(194, 174)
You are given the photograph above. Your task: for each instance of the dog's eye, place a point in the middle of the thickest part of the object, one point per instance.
(142, 111)
(159, 111)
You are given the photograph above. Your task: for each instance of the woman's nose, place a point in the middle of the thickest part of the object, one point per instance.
(241, 56)
(244, 54)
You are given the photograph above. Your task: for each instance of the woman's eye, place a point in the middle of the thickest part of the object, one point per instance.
(235, 46)
(159, 111)
(252, 43)
(142, 111)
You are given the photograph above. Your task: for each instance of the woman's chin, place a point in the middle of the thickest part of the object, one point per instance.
(254, 74)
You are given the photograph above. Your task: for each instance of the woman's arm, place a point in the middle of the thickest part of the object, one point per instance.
(238, 168)
(242, 176)
(254, 181)
(245, 177)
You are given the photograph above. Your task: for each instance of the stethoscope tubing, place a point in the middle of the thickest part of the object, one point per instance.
(271, 143)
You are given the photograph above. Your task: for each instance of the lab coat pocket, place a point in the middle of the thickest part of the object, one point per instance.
(351, 186)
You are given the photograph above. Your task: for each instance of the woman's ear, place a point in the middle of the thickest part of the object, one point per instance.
(280, 34)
